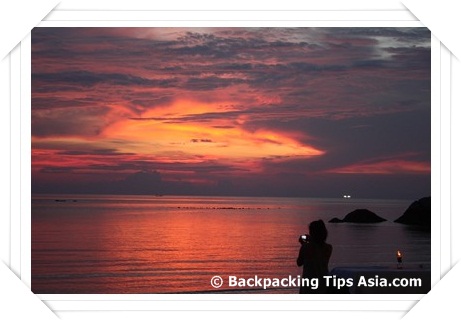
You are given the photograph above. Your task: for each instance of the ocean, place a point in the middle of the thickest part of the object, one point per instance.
(105, 244)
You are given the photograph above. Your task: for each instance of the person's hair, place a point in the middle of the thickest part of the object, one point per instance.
(318, 231)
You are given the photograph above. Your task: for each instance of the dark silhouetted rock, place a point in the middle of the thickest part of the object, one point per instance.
(419, 213)
(335, 220)
(363, 216)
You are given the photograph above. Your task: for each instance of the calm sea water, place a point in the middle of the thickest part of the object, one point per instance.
(147, 244)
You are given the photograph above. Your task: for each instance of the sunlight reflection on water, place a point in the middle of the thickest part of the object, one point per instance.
(146, 244)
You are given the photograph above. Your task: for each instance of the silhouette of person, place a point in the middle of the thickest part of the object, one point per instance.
(314, 256)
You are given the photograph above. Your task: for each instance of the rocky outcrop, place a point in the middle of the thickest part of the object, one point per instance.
(359, 216)
(418, 213)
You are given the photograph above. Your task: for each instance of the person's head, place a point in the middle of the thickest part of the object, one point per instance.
(318, 231)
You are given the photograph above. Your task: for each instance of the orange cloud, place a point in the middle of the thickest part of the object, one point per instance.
(385, 167)
(178, 130)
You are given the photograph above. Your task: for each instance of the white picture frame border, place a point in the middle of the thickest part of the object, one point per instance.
(20, 167)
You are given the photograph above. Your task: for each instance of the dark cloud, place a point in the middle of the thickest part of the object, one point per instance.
(210, 83)
(350, 140)
(88, 79)
(69, 121)
(57, 170)
(196, 140)
(57, 102)
(413, 58)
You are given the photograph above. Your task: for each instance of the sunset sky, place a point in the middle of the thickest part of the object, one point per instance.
(314, 112)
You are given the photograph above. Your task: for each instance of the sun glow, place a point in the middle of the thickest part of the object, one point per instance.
(194, 128)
